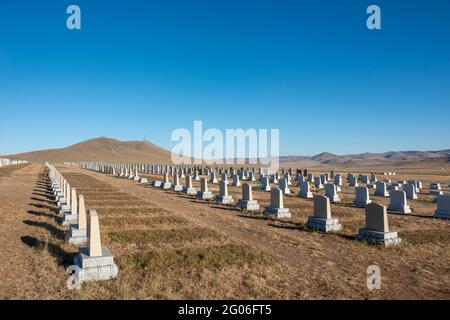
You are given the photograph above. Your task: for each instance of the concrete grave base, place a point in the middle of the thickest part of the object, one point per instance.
(277, 212)
(69, 219)
(95, 268)
(178, 188)
(157, 184)
(249, 205)
(379, 238)
(323, 225)
(61, 202)
(190, 191)
(77, 236)
(224, 199)
(143, 181)
(166, 186)
(63, 212)
(205, 195)
(137, 179)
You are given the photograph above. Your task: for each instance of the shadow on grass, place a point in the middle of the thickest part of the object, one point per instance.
(54, 231)
(45, 195)
(43, 214)
(202, 201)
(256, 216)
(62, 257)
(43, 206)
(41, 200)
(226, 207)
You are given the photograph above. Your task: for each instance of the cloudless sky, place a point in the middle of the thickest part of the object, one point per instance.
(310, 68)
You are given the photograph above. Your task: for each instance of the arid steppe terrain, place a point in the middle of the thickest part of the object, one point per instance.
(171, 246)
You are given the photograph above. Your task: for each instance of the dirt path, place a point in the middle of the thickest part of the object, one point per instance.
(16, 190)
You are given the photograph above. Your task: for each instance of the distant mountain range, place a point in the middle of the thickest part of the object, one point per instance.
(111, 150)
(394, 159)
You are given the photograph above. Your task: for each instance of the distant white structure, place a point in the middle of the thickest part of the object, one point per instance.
(9, 162)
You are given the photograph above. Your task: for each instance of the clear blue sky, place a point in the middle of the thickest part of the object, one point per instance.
(310, 68)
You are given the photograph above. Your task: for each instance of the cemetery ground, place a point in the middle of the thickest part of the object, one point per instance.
(171, 246)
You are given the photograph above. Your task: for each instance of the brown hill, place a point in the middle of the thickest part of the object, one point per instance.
(101, 150)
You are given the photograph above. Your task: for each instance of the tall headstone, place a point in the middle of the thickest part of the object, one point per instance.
(361, 197)
(321, 219)
(443, 207)
(236, 182)
(176, 184)
(204, 193)
(338, 180)
(410, 191)
(166, 185)
(377, 228)
(247, 202)
(188, 188)
(223, 196)
(213, 178)
(265, 183)
(398, 202)
(331, 192)
(95, 263)
(318, 183)
(352, 181)
(381, 189)
(78, 232)
(283, 185)
(305, 190)
(71, 217)
(276, 208)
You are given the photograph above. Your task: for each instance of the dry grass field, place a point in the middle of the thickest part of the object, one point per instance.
(171, 246)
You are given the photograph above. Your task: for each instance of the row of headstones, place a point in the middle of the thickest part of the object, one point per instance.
(92, 263)
(398, 198)
(376, 230)
(131, 169)
(9, 162)
(159, 169)
(371, 183)
(321, 220)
